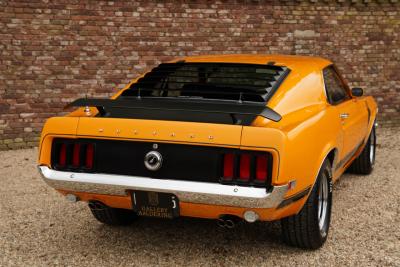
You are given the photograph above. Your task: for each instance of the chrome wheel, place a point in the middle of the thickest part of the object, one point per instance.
(323, 198)
(372, 147)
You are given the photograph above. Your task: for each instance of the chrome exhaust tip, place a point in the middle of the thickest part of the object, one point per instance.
(227, 221)
(72, 198)
(96, 205)
(251, 216)
(229, 224)
(221, 223)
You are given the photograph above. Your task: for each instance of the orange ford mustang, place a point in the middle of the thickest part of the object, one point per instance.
(225, 137)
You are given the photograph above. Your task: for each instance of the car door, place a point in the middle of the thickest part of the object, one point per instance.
(352, 112)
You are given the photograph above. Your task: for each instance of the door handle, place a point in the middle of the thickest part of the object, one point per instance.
(344, 115)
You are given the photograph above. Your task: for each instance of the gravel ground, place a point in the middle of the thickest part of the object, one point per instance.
(39, 227)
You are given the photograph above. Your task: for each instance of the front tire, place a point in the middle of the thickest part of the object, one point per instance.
(309, 228)
(364, 163)
(111, 216)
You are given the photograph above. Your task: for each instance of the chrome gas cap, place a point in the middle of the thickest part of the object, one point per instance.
(153, 160)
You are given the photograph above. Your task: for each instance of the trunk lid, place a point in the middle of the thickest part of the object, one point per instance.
(163, 131)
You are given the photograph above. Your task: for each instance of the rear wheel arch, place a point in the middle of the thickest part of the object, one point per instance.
(332, 156)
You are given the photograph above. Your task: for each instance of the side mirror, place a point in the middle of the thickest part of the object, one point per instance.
(357, 91)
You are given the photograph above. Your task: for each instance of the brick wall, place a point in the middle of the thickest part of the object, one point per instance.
(52, 52)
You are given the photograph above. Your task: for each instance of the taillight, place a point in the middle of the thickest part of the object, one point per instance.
(89, 156)
(70, 154)
(246, 168)
(76, 154)
(228, 166)
(261, 168)
(63, 155)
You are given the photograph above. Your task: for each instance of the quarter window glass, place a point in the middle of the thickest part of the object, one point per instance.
(335, 89)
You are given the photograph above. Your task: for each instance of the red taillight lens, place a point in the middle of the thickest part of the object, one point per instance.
(76, 155)
(244, 171)
(246, 168)
(63, 155)
(261, 168)
(89, 156)
(228, 166)
(73, 154)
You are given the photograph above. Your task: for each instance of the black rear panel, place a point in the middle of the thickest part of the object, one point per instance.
(180, 162)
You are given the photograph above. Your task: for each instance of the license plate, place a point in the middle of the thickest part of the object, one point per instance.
(155, 204)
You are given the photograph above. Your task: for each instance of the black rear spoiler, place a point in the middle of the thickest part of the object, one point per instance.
(179, 109)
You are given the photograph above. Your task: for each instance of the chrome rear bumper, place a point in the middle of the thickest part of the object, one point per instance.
(186, 191)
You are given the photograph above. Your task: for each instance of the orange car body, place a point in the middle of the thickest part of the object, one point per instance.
(311, 130)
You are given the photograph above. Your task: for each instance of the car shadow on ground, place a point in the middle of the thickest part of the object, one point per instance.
(198, 234)
(185, 233)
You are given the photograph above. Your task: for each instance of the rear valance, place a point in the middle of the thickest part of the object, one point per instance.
(212, 111)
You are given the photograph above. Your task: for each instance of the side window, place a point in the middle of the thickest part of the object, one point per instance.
(335, 89)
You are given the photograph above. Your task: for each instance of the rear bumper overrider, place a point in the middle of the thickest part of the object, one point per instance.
(186, 191)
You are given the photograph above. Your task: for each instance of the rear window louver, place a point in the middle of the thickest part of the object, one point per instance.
(226, 81)
(227, 93)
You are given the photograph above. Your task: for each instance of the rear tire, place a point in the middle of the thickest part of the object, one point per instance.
(309, 228)
(111, 216)
(364, 163)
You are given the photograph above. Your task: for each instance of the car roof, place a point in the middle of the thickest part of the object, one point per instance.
(289, 61)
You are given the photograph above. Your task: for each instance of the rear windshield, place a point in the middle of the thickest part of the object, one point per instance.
(223, 81)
